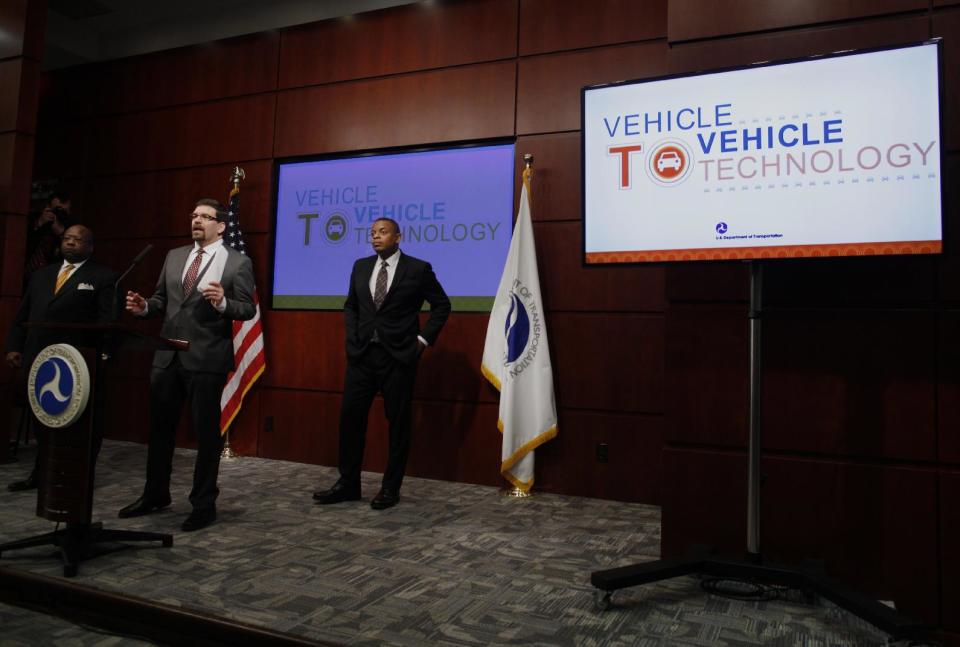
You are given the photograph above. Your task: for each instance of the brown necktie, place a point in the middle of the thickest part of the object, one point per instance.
(191, 278)
(380, 291)
(62, 277)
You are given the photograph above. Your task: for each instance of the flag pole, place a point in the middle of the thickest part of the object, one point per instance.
(236, 177)
(513, 491)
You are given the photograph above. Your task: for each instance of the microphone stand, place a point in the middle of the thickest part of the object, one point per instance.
(116, 286)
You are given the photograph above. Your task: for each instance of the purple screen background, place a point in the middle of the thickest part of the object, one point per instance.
(458, 202)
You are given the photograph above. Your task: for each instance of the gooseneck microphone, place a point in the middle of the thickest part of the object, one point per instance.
(116, 286)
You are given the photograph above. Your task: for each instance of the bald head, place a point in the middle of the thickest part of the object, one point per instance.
(77, 244)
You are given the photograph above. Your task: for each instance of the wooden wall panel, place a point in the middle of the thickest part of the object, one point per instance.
(228, 131)
(260, 253)
(450, 370)
(19, 79)
(130, 422)
(208, 72)
(134, 363)
(950, 549)
(400, 39)
(245, 429)
(8, 309)
(451, 441)
(551, 25)
(13, 244)
(23, 23)
(118, 254)
(473, 102)
(16, 158)
(861, 520)
(10, 73)
(713, 54)
(948, 280)
(555, 192)
(61, 150)
(288, 432)
(947, 25)
(608, 362)
(705, 503)
(548, 87)
(567, 284)
(845, 384)
(689, 19)
(159, 204)
(948, 387)
(568, 463)
(711, 282)
(305, 350)
(707, 376)
(850, 282)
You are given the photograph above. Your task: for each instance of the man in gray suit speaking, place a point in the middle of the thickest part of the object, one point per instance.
(202, 289)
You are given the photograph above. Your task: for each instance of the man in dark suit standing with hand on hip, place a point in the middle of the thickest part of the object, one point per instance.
(202, 289)
(384, 343)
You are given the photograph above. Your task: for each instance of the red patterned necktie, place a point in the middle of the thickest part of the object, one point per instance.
(380, 291)
(191, 278)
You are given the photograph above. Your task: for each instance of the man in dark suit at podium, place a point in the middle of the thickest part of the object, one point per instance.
(384, 343)
(202, 289)
(77, 290)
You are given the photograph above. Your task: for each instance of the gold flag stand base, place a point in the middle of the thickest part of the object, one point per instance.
(227, 452)
(515, 493)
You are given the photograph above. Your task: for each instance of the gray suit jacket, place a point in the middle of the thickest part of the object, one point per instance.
(193, 319)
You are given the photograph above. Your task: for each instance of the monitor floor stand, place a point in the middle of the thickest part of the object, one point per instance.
(752, 566)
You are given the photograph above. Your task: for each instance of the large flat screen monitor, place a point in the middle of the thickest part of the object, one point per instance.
(836, 155)
(454, 207)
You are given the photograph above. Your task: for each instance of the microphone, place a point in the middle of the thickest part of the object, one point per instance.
(116, 286)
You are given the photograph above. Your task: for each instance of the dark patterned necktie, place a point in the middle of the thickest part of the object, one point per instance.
(380, 291)
(191, 278)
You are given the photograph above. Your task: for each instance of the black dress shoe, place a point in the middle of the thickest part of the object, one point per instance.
(29, 483)
(143, 506)
(387, 498)
(199, 519)
(337, 494)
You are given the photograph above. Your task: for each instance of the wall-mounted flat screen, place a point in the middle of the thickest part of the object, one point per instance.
(454, 207)
(829, 156)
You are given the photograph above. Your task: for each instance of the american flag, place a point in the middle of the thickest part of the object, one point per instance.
(248, 353)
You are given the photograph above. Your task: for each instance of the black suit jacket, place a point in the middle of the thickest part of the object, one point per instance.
(396, 322)
(209, 332)
(86, 297)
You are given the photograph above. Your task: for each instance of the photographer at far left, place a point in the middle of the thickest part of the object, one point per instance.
(45, 233)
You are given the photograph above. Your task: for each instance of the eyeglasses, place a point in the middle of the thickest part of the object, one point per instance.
(202, 216)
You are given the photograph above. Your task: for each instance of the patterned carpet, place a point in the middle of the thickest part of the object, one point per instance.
(453, 564)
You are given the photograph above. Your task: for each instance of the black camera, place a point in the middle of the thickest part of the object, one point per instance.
(60, 213)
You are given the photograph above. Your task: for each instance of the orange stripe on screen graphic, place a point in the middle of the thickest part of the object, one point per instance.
(775, 251)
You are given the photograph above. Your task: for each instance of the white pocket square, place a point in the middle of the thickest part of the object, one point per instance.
(85, 286)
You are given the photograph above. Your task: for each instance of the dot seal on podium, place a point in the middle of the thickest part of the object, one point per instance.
(58, 386)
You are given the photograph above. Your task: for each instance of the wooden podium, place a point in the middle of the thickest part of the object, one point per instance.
(68, 458)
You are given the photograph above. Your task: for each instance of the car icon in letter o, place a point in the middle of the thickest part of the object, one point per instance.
(669, 159)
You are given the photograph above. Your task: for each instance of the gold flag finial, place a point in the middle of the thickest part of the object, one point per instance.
(528, 160)
(237, 176)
